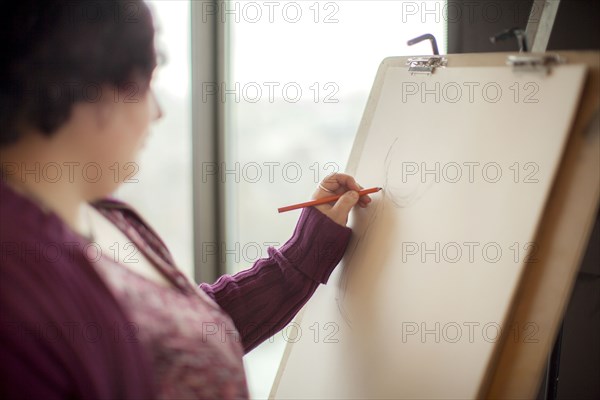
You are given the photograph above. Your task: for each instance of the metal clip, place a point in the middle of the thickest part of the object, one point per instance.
(425, 65)
(532, 63)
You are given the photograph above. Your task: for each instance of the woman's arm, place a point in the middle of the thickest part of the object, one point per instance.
(262, 300)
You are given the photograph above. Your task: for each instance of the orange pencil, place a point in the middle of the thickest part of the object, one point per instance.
(324, 200)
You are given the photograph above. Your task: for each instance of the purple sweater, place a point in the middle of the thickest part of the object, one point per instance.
(61, 326)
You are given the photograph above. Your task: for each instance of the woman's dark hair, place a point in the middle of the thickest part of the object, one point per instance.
(55, 53)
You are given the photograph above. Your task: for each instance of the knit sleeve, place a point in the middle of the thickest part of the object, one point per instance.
(263, 299)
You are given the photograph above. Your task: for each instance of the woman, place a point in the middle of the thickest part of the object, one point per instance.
(78, 322)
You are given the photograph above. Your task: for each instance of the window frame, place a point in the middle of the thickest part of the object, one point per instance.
(208, 50)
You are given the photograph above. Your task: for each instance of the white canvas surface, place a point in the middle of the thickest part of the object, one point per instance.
(466, 157)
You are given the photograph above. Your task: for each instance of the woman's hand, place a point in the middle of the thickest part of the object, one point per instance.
(340, 184)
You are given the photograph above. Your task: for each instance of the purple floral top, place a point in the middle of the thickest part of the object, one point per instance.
(76, 327)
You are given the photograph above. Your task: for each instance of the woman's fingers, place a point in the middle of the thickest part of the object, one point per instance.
(341, 208)
(345, 185)
(339, 183)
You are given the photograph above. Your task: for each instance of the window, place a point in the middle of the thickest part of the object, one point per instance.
(298, 78)
(165, 162)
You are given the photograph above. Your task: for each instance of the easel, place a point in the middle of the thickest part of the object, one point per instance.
(544, 288)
